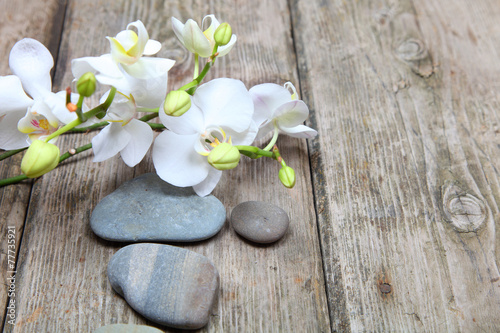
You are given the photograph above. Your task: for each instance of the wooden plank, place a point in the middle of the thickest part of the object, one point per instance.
(62, 273)
(406, 164)
(44, 25)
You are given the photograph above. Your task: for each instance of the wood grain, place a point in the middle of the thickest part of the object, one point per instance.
(62, 282)
(44, 25)
(406, 164)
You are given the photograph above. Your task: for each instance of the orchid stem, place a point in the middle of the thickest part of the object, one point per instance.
(19, 178)
(148, 117)
(100, 108)
(190, 88)
(155, 110)
(89, 128)
(156, 126)
(274, 139)
(196, 65)
(10, 153)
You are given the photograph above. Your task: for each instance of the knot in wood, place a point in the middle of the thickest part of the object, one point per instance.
(463, 210)
(385, 288)
(413, 52)
(412, 49)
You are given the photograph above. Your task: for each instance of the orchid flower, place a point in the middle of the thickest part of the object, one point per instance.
(279, 109)
(221, 111)
(144, 78)
(24, 119)
(198, 41)
(125, 135)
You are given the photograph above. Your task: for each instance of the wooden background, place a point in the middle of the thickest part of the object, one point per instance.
(395, 210)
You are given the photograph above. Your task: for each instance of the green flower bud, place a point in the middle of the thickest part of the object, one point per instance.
(86, 84)
(223, 33)
(40, 158)
(225, 156)
(177, 103)
(287, 176)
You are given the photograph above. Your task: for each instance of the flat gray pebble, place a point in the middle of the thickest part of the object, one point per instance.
(148, 209)
(259, 222)
(127, 328)
(168, 285)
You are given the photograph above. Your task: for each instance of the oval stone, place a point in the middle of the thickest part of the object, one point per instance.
(148, 209)
(259, 222)
(168, 285)
(127, 328)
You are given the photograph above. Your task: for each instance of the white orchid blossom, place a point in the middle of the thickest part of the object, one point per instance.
(145, 78)
(125, 135)
(198, 41)
(221, 111)
(277, 107)
(24, 119)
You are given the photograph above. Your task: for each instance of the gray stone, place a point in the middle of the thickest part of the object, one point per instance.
(127, 328)
(148, 209)
(168, 285)
(259, 222)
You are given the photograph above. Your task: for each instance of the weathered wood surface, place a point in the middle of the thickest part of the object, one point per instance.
(404, 170)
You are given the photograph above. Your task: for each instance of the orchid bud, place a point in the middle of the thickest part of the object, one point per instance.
(225, 156)
(287, 176)
(40, 158)
(222, 34)
(86, 84)
(177, 103)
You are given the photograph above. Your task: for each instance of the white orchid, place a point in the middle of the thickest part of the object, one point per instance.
(278, 108)
(24, 119)
(125, 135)
(198, 41)
(221, 111)
(145, 78)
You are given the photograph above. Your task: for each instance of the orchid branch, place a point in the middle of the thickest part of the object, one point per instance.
(10, 153)
(65, 156)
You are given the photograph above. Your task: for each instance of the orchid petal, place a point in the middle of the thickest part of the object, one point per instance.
(207, 186)
(122, 109)
(29, 123)
(149, 68)
(189, 123)
(10, 136)
(176, 161)
(127, 39)
(178, 27)
(12, 95)
(31, 62)
(152, 47)
(300, 131)
(214, 24)
(119, 53)
(141, 138)
(111, 140)
(291, 114)
(137, 49)
(223, 50)
(194, 39)
(225, 103)
(103, 65)
(58, 110)
(264, 129)
(267, 98)
(150, 89)
(243, 138)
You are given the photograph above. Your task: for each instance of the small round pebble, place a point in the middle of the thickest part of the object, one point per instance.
(259, 222)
